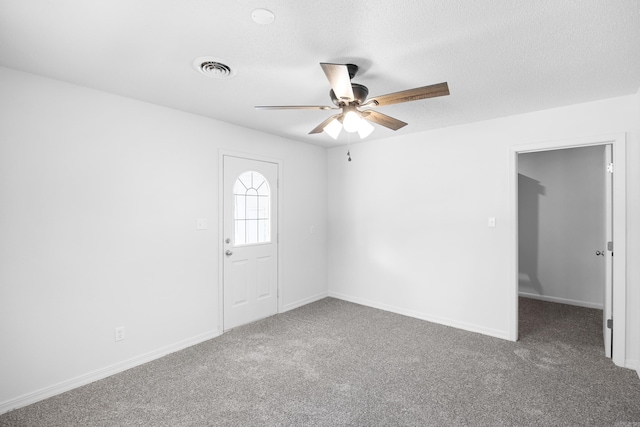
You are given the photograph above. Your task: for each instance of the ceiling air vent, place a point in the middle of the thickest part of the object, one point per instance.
(213, 67)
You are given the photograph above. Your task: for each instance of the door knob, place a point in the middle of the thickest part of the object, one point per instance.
(228, 253)
(600, 253)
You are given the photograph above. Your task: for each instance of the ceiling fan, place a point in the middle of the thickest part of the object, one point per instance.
(351, 97)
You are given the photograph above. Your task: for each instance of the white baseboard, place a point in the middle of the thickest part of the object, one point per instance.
(562, 300)
(304, 301)
(44, 393)
(424, 316)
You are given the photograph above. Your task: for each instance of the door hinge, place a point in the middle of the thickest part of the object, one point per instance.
(610, 246)
(610, 167)
(610, 323)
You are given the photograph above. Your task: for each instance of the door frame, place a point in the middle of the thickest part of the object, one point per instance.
(619, 285)
(220, 236)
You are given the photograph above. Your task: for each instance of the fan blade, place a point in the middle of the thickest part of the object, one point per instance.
(440, 89)
(383, 119)
(338, 76)
(294, 107)
(321, 126)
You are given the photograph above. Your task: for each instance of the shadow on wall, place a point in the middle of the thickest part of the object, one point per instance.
(529, 192)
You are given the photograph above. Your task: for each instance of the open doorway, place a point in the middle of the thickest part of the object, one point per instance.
(564, 222)
(618, 304)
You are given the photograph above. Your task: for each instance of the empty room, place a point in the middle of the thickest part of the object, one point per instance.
(299, 213)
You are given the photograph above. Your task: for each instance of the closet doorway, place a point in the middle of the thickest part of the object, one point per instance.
(564, 224)
(529, 278)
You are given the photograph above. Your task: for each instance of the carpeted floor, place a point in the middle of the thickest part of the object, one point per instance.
(333, 363)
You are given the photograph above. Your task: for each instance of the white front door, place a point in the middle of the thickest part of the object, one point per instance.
(250, 229)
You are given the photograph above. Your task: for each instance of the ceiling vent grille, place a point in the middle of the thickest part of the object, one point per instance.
(213, 67)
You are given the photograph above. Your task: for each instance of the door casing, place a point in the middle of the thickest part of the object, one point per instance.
(220, 237)
(618, 143)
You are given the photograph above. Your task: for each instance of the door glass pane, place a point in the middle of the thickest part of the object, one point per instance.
(239, 207)
(252, 208)
(263, 207)
(244, 180)
(263, 189)
(252, 204)
(252, 231)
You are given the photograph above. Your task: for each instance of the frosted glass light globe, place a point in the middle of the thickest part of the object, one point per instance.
(364, 129)
(333, 128)
(351, 121)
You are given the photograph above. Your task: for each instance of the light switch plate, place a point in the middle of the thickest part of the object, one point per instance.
(492, 222)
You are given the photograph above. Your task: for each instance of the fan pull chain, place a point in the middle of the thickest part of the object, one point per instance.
(348, 147)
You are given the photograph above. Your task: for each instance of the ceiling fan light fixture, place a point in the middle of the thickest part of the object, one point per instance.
(351, 122)
(349, 97)
(333, 128)
(364, 129)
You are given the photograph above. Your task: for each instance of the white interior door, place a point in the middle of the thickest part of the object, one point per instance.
(250, 226)
(608, 251)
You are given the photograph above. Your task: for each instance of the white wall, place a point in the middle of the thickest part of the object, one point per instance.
(99, 198)
(99, 195)
(408, 216)
(561, 223)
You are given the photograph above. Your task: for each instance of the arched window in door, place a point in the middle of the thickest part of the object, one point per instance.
(251, 209)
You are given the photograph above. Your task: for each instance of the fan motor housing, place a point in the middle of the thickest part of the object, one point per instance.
(360, 93)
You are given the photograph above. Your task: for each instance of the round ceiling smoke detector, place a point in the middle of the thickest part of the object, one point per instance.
(213, 67)
(263, 16)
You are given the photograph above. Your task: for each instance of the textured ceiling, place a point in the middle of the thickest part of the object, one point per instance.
(499, 57)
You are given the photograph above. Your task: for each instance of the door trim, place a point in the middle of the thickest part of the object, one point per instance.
(618, 142)
(220, 236)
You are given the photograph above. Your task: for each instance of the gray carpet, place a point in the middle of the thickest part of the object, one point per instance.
(333, 363)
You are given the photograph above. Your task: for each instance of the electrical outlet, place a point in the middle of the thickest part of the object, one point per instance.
(202, 224)
(119, 333)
